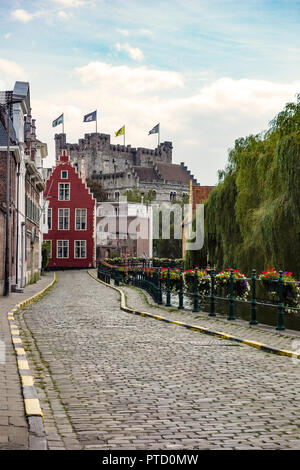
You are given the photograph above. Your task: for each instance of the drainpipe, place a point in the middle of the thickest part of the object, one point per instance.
(17, 246)
(7, 231)
(22, 252)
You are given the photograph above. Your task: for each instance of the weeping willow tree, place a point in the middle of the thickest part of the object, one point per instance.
(253, 215)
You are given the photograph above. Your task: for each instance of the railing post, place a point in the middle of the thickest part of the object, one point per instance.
(180, 306)
(160, 301)
(231, 297)
(168, 303)
(196, 293)
(212, 294)
(156, 282)
(280, 310)
(253, 320)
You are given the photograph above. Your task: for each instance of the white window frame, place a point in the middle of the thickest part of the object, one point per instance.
(49, 209)
(64, 199)
(80, 248)
(62, 257)
(81, 229)
(61, 174)
(50, 254)
(58, 216)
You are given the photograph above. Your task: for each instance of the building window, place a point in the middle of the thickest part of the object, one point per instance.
(172, 196)
(49, 219)
(63, 219)
(50, 252)
(64, 175)
(117, 195)
(63, 191)
(80, 249)
(80, 219)
(62, 248)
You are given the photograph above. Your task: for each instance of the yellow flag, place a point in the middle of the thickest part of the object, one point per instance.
(120, 131)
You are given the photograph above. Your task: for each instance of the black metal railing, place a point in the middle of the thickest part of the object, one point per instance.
(160, 290)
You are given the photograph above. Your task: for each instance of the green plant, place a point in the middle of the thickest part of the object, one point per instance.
(46, 248)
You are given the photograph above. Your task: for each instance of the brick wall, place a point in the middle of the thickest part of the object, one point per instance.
(3, 215)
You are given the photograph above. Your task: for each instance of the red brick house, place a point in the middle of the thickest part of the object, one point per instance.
(71, 218)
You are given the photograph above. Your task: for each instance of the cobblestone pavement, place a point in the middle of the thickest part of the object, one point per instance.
(287, 339)
(107, 379)
(13, 425)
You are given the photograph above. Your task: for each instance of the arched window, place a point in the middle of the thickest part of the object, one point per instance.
(172, 196)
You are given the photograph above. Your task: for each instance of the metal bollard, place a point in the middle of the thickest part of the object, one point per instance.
(231, 298)
(212, 294)
(253, 320)
(196, 293)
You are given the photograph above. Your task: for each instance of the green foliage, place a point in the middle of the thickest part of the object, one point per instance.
(135, 195)
(46, 247)
(252, 216)
(96, 189)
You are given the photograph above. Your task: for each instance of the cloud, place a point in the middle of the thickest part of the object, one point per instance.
(62, 15)
(11, 70)
(128, 79)
(125, 32)
(72, 3)
(7, 35)
(133, 52)
(138, 32)
(22, 15)
(202, 121)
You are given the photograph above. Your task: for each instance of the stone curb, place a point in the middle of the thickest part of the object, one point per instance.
(200, 329)
(33, 412)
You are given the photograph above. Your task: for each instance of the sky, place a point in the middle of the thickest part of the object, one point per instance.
(209, 71)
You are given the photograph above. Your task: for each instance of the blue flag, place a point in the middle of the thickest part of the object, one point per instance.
(90, 117)
(155, 130)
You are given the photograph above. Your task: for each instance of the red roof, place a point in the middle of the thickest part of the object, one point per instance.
(173, 172)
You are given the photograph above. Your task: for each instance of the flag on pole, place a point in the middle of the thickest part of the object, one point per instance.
(155, 130)
(120, 131)
(90, 117)
(59, 120)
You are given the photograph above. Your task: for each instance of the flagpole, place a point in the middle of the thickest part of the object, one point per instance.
(158, 134)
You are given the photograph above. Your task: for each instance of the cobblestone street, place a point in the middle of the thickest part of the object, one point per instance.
(107, 379)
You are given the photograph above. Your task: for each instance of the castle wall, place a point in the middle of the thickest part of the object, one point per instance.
(103, 157)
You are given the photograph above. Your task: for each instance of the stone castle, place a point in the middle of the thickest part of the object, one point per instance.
(119, 168)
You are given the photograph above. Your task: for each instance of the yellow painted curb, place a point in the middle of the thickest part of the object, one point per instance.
(27, 381)
(16, 340)
(20, 351)
(32, 407)
(201, 329)
(23, 364)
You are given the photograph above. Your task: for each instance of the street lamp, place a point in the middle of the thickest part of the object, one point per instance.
(6, 107)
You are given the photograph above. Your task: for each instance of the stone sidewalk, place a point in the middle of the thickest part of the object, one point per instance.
(139, 299)
(13, 424)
